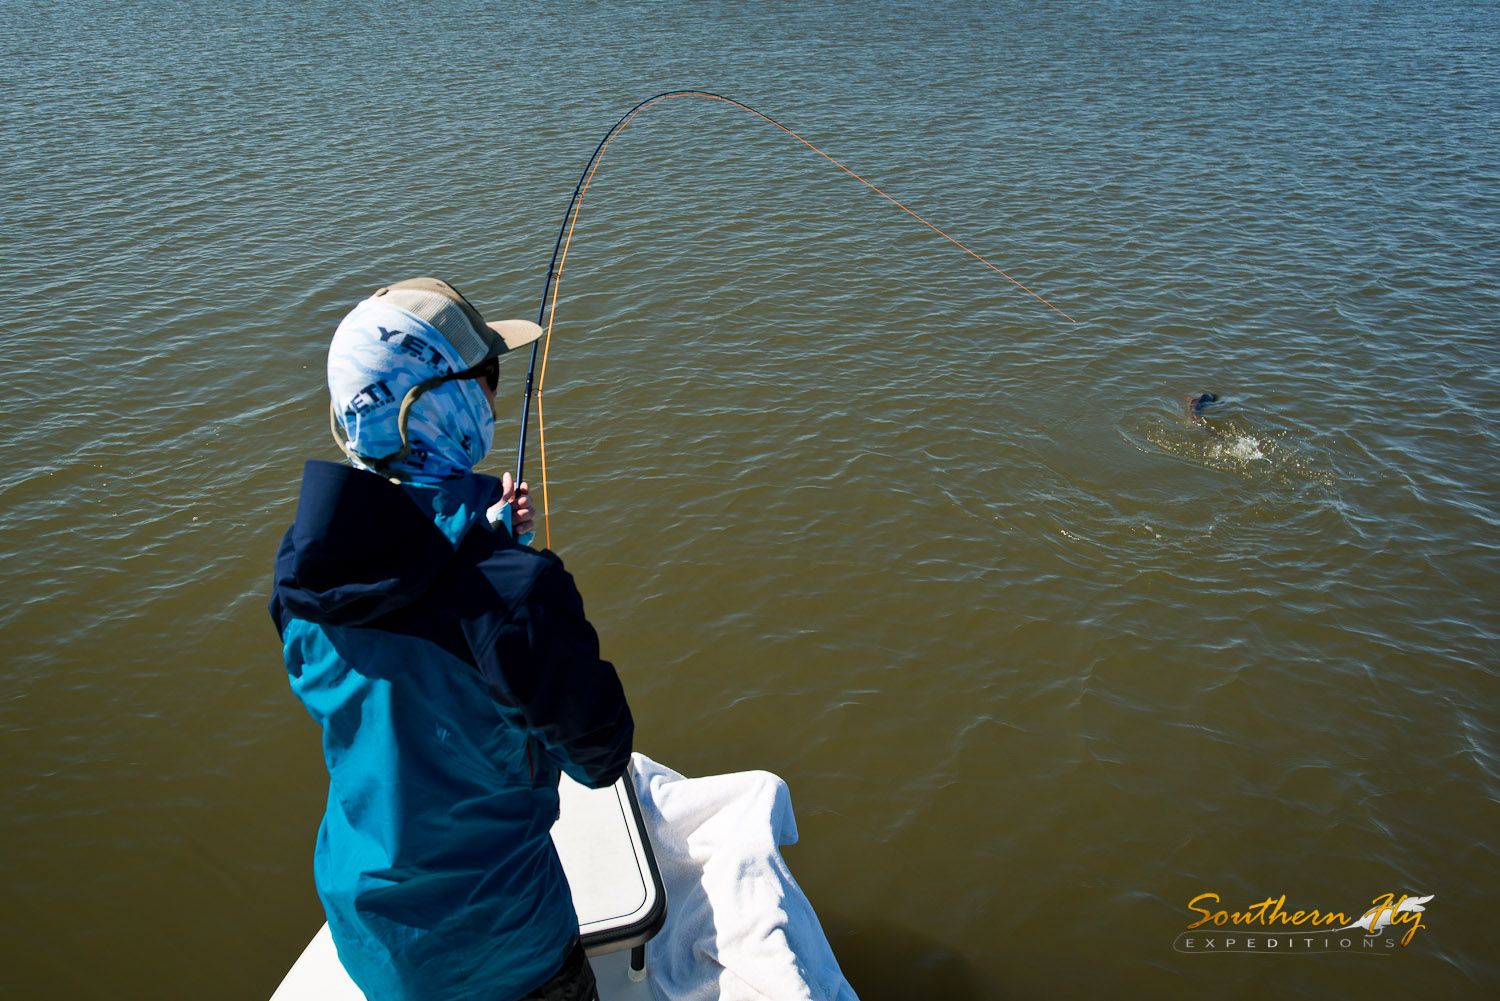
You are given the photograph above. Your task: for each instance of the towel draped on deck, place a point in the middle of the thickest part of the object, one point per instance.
(738, 927)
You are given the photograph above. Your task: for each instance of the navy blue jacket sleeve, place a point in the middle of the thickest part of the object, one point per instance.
(548, 657)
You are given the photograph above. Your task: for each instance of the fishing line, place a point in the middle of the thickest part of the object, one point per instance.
(548, 308)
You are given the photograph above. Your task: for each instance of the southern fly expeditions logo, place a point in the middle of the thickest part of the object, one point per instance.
(1268, 926)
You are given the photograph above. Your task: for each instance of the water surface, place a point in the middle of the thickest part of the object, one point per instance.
(1041, 659)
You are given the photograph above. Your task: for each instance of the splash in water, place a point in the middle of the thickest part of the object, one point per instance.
(1215, 432)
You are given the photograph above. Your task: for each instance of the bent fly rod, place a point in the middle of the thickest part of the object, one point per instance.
(548, 309)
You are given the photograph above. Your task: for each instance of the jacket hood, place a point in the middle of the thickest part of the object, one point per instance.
(362, 547)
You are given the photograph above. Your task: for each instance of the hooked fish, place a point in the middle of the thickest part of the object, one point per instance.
(1195, 405)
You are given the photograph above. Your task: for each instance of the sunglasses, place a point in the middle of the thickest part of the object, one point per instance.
(488, 370)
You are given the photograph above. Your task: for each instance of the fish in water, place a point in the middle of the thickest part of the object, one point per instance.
(1195, 405)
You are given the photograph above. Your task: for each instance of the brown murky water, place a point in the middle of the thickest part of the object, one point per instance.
(1041, 660)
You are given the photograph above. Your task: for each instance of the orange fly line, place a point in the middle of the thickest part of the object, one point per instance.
(555, 276)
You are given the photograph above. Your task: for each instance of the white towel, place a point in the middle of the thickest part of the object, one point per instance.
(738, 927)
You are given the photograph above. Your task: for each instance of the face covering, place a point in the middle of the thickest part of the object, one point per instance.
(379, 352)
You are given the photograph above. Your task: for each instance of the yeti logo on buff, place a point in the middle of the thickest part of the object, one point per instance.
(376, 394)
(378, 353)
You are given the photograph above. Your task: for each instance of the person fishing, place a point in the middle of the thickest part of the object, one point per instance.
(452, 669)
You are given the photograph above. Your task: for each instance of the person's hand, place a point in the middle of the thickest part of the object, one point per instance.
(522, 517)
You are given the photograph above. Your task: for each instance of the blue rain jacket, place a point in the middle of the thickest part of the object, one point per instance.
(453, 673)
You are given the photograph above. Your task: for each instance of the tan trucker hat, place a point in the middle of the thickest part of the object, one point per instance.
(434, 301)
